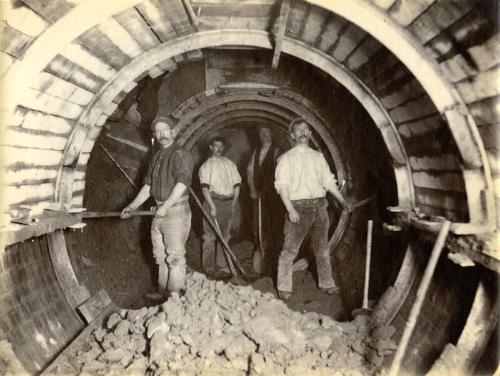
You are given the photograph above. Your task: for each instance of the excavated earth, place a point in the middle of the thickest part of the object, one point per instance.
(219, 328)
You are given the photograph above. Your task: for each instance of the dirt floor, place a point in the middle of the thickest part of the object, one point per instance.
(128, 276)
(219, 328)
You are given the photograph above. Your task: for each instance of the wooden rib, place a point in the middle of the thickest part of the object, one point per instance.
(127, 142)
(280, 33)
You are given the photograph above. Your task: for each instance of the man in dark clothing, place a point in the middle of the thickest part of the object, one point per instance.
(260, 177)
(167, 181)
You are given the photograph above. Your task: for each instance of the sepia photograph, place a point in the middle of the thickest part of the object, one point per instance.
(249, 187)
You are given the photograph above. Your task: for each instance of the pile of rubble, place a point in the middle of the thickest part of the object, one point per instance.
(221, 329)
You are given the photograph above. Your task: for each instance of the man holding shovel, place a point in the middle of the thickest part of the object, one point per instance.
(302, 179)
(265, 211)
(167, 181)
(220, 183)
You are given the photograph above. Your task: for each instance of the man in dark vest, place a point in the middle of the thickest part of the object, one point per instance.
(167, 181)
(260, 177)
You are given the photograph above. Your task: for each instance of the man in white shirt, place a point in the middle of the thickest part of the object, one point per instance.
(220, 183)
(260, 178)
(302, 179)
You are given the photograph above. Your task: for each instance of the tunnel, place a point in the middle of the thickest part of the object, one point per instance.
(402, 100)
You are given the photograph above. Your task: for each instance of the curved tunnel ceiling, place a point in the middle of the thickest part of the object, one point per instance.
(375, 24)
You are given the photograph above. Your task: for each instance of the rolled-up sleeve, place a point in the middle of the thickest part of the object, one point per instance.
(183, 168)
(204, 175)
(282, 174)
(328, 179)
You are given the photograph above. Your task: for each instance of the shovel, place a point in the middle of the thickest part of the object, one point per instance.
(259, 255)
(365, 310)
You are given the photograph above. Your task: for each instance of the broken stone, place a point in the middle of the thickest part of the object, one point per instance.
(113, 320)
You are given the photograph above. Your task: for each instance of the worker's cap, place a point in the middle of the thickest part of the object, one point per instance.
(162, 119)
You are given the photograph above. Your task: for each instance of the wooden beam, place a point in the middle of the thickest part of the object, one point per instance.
(132, 144)
(280, 34)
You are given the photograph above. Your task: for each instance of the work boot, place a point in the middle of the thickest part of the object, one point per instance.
(331, 290)
(284, 295)
(156, 296)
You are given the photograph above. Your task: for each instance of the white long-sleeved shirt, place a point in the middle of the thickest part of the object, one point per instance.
(304, 172)
(220, 175)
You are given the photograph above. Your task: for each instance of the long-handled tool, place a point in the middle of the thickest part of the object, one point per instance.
(227, 249)
(227, 256)
(364, 310)
(259, 253)
(137, 213)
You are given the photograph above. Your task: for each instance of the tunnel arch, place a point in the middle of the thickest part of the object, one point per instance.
(387, 28)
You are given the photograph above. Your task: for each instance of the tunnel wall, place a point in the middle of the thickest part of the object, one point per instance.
(35, 316)
(444, 311)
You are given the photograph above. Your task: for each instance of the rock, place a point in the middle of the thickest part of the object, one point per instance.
(240, 346)
(138, 315)
(158, 322)
(138, 366)
(113, 320)
(121, 355)
(322, 342)
(122, 329)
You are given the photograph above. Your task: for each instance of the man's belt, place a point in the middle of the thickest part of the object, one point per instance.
(309, 201)
(218, 197)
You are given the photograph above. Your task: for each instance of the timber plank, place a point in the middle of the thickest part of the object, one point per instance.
(24, 19)
(413, 109)
(36, 100)
(120, 37)
(84, 58)
(443, 162)
(19, 194)
(174, 11)
(486, 111)
(408, 91)
(13, 42)
(438, 17)
(132, 21)
(40, 121)
(482, 85)
(331, 33)
(314, 24)
(57, 87)
(348, 42)
(103, 48)
(220, 9)
(74, 73)
(422, 127)
(366, 49)
(18, 137)
(455, 202)
(470, 30)
(156, 18)
(296, 15)
(405, 12)
(22, 157)
(489, 135)
(485, 56)
(51, 10)
(28, 176)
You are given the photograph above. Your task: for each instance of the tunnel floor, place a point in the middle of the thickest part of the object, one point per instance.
(127, 277)
(219, 328)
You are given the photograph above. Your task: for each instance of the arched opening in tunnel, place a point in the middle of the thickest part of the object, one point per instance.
(236, 102)
(401, 100)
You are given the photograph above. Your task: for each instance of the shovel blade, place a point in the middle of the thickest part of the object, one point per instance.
(257, 261)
